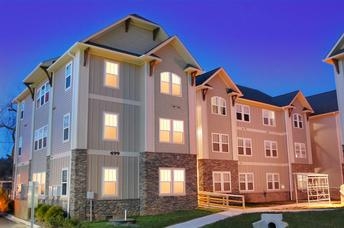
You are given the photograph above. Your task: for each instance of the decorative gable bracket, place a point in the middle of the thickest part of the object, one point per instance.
(336, 65)
(193, 78)
(127, 23)
(32, 90)
(86, 51)
(152, 65)
(290, 110)
(50, 77)
(204, 93)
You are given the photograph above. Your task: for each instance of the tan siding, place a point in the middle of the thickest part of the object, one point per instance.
(56, 166)
(23, 171)
(130, 79)
(127, 174)
(168, 106)
(62, 105)
(128, 122)
(299, 134)
(39, 161)
(25, 130)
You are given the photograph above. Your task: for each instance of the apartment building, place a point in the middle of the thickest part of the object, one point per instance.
(126, 118)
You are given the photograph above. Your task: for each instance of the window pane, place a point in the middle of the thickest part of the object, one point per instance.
(217, 187)
(176, 90)
(178, 126)
(239, 116)
(165, 82)
(178, 187)
(216, 137)
(270, 185)
(248, 151)
(111, 68)
(178, 137)
(112, 80)
(178, 175)
(249, 186)
(224, 138)
(64, 175)
(164, 136)
(64, 189)
(224, 147)
(109, 188)
(165, 124)
(226, 177)
(176, 79)
(111, 120)
(110, 133)
(226, 186)
(165, 175)
(216, 147)
(246, 117)
(165, 187)
(217, 177)
(242, 186)
(241, 150)
(110, 175)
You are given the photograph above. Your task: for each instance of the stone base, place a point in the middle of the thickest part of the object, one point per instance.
(262, 197)
(150, 201)
(206, 168)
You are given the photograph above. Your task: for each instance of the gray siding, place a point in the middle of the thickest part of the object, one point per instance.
(39, 161)
(25, 130)
(127, 174)
(56, 166)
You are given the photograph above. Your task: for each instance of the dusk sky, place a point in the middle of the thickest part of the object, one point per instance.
(275, 46)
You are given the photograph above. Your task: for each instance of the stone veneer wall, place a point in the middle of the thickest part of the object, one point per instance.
(78, 184)
(206, 168)
(150, 201)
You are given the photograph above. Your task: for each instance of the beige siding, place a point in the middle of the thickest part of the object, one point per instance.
(136, 40)
(299, 134)
(23, 171)
(39, 161)
(326, 148)
(56, 166)
(25, 130)
(127, 174)
(168, 106)
(128, 126)
(62, 104)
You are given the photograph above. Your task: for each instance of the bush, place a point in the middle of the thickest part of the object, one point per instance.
(71, 223)
(41, 211)
(54, 217)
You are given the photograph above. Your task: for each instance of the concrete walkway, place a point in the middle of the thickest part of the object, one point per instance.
(209, 219)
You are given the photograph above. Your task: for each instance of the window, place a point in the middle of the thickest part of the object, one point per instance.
(170, 83)
(20, 146)
(40, 179)
(218, 106)
(66, 127)
(174, 128)
(41, 138)
(300, 150)
(111, 76)
(171, 181)
(109, 182)
(302, 182)
(220, 142)
(221, 181)
(268, 118)
(68, 76)
(18, 183)
(297, 120)
(110, 126)
(22, 107)
(242, 112)
(273, 181)
(42, 96)
(270, 148)
(244, 146)
(246, 181)
(64, 182)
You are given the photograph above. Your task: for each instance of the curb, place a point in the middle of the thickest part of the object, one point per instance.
(19, 220)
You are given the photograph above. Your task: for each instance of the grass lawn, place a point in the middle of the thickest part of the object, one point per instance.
(334, 218)
(155, 221)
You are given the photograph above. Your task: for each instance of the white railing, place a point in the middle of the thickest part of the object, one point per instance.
(220, 200)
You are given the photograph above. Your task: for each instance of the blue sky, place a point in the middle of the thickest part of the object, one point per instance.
(276, 46)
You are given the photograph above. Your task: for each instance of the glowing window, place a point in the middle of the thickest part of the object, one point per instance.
(110, 126)
(111, 74)
(170, 83)
(171, 181)
(109, 182)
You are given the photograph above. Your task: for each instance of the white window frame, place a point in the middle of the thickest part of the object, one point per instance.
(104, 120)
(170, 84)
(105, 73)
(220, 142)
(274, 175)
(172, 131)
(67, 115)
(68, 75)
(20, 146)
(103, 182)
(298, 119)
(38, 177)
(39, 135)
(222, 182)
(41, 94)
(244, 140)
(243, 110)
(246, 182)
(64, 182)
(300, 150)
(171, 193)
(270, 144)
(22, 108)
(220, 103)
(271, 116)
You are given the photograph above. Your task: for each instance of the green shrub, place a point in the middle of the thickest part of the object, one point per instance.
(54, 217)
(71, 223)
(41, 211)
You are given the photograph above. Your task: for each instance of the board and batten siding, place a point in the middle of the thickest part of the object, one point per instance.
(62, 104)
(131, 82)
(56, 166)
(128, 171)
(39, 161)
(168, 106)
(25, 129)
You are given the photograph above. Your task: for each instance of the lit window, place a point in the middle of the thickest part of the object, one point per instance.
(242, 112)
(300, 150)
(109, 181)
(68, 76)
(220, 142)
(42, 96)
(171, 181)
(302, 181)
(64, 182)
(297, 120)
(218, 106)
(66, 127)
(40, 179)
(244, 146)
(222, 181)
(270, 148)
(273, 181)
(20, 146)
(246, 181)
(41, 138)
(18, 184)
(170, 83)
(171, 133)
(268, 118)
(110, 126)
(111, 74)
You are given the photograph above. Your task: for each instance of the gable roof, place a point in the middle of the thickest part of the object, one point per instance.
(324, 102)
(336, 50)
(255, 95)
(204, 77)
(285, 99)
